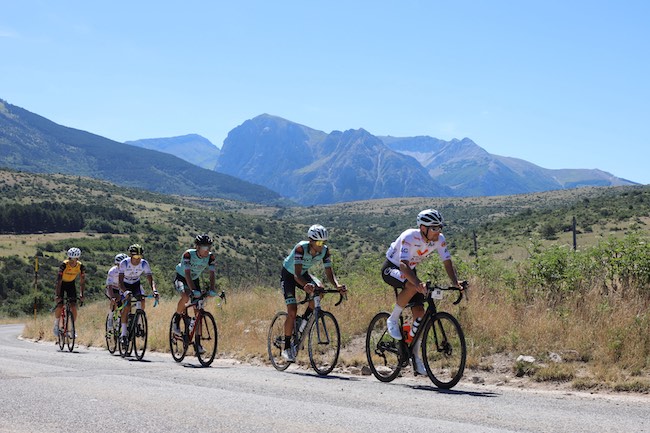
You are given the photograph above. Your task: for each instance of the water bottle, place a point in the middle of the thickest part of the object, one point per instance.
(192, 323)
(303, 324)
(407, 331)
(414, 328)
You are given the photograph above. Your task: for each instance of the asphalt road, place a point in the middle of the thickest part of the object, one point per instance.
(45, 390)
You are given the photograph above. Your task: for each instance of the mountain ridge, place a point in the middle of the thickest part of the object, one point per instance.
(33, 143)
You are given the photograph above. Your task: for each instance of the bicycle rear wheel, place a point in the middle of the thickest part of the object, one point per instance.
(205, 339)
(140, 334)
(71, 333)
(443, 350)
(111, 337)
(178, 343)
(324, 343)
(275, 342)
(382, 350)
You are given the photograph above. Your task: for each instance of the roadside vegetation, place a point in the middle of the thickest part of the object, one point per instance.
(581, 314)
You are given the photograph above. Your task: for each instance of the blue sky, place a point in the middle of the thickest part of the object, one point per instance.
(562, 84)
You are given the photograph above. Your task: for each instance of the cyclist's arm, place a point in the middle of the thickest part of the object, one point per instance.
(152, 284)
(189, 280)
(449, 267)
(82, 284)
(212, 280)
(411, 277)
(57, 287)
(332, 279)
(120, 280)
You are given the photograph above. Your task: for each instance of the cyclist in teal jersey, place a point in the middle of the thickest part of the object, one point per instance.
(193, 262)
(295, 273)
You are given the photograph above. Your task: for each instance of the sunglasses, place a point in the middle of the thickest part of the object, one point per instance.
(436, 228)
(204, 248)
(137, 256)
(320, 243)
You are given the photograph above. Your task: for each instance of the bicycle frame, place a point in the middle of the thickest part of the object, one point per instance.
(315, 315)
(434, 293)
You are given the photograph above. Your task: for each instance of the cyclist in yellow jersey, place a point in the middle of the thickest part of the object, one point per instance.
(65, 283)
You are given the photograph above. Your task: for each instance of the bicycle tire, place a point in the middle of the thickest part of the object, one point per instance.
(140, 334)
(206, 337)
(275, 342)
(178, 343)
(71, 334)
(382, 350)
(324, 343)
(60, 338)
(444, 351)
(111, 338)
(128, 347)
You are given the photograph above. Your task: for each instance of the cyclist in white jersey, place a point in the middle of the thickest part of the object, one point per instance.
(403, 255)
(295, 273)
(113, 286)
(130, 271)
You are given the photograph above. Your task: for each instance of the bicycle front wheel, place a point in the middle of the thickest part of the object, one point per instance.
(382, 350)
(275, 342)
(205, 340)
(443, 350)
(71, 333)
(111, 338)
(178, 343)
(324, 343)
(60, 339)
(140, 333)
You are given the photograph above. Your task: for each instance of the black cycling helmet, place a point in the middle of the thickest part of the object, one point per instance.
(136, 249)
(203, 239)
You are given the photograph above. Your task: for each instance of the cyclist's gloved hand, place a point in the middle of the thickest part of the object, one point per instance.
(196, 293)
(309, 288)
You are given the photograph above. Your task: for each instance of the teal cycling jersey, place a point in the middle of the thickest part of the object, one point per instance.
(305, 259)
(191, 260)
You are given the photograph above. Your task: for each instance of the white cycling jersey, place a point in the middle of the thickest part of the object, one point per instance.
(112, 279)
(411, 246)
(132, 272)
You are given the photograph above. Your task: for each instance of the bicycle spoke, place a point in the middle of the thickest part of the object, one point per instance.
(324, 343)
(444, 352)
(382, 350)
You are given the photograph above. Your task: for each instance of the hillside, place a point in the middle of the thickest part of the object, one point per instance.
(253, 239)
(33, 143)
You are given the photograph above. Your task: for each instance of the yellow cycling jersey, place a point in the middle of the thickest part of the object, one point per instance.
(68, 272)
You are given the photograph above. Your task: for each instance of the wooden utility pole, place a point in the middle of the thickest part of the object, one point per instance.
(573, 228)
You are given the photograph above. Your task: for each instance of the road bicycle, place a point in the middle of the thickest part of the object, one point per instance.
(137, 330)
(441, 339)
(113, 333)
(67, 332)
(200, 330)
(321, 330)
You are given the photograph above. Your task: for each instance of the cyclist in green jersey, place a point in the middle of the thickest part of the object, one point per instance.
(193, 262)
(295, 273)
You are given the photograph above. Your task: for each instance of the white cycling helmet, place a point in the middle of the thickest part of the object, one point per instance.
(430, 218)
(74, 253)
(317, 233)
(120, 257)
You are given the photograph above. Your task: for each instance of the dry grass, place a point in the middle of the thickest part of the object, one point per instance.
(603, 342)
